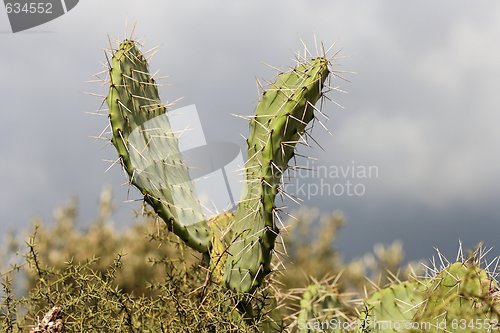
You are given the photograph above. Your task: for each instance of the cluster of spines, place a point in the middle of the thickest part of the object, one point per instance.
(322, 307)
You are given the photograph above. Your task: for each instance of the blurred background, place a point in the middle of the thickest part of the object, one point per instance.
(421, 109)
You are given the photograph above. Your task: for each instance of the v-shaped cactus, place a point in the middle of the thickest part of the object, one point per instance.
(148, 150)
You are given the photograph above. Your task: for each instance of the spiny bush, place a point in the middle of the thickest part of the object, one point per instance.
(143, 279)
(159, 286)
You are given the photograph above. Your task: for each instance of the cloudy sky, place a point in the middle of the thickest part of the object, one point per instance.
(422, 106)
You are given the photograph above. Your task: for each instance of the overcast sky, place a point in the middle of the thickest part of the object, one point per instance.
(423, 106)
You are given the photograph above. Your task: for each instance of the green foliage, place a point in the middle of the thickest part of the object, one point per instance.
(144, 279)
(141, 247)
(140, 280)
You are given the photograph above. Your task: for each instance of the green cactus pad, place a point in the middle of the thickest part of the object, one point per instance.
(148, 148)
(281, 118)
(392, 307)
(461, 299)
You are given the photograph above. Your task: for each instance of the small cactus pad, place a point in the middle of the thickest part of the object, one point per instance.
(460, 298)
(389, 308)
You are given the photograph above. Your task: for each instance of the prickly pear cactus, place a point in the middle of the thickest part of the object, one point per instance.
(281, 118)
(460, 298)
(148, 148)
(240, 243)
